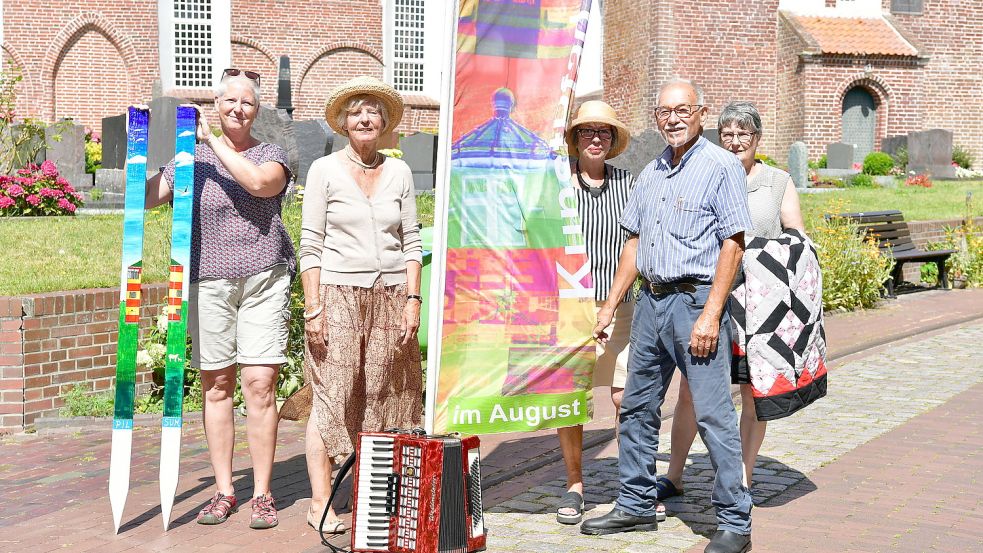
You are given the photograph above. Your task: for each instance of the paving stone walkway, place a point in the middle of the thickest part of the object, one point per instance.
(867, 398)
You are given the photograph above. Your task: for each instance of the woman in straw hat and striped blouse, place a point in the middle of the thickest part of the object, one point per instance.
(360, 261)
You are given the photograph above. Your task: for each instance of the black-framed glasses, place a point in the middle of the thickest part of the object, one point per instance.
(589, 133)
(740, 137)
(232, 72)
(684, 111)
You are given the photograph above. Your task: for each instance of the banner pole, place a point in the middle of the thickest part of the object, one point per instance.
(439, 255)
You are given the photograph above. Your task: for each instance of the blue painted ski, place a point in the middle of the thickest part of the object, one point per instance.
(137, 123)
(177, 308)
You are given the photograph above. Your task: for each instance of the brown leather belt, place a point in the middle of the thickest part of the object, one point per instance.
(674, 287)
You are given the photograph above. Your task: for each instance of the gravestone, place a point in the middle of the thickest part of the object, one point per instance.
(892, 144)
(642, 149)
(277, 127)
(112, 184)
(839, 156)
(798, 164)
(160, 140)
(420, 153)
(930, 152)
(35, 144)
(283, 96)
(68, 152)
(713, 135)
(314, 139)
(340, 141)
(114, 142)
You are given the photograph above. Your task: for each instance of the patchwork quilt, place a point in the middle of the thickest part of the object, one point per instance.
(778, 318)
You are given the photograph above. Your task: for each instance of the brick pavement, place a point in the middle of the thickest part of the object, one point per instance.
(58, 481)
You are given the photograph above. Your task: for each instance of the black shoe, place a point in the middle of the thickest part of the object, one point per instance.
(725, 541)
(618, 521)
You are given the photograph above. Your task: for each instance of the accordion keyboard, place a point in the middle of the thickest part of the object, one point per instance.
(371, 525)
(409, 497)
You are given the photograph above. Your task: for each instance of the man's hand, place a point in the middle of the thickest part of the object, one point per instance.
(604, 317)
(703, 339)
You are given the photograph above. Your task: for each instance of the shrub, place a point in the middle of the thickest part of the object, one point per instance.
(967, 263)
(962, 157)
(901, 159)
(80, 403)
(38, 190)
(862, 180)
(878, 163)
(854, 270)
(919, 180)
(764, 158)
(818, 164)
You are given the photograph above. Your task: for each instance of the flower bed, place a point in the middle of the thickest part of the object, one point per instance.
(37, 190)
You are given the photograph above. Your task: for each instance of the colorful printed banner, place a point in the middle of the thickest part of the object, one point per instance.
(518, 308)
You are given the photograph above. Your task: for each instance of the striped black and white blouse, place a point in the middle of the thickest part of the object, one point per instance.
(600, 220)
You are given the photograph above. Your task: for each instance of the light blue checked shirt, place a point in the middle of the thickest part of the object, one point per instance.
(683, 214)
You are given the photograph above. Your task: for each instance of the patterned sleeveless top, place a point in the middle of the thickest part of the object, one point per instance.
(764, 200)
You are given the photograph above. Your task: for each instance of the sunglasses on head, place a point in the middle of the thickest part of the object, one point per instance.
(236, 72)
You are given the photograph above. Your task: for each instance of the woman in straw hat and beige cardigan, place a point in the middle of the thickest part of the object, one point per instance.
(593, 137)
(360, 261)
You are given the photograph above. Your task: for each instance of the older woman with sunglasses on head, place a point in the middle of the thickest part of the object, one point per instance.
(242, 262)
(595, 136)
(360, 260)
(774, 206)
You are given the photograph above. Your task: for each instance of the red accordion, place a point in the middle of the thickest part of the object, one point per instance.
(417, 494)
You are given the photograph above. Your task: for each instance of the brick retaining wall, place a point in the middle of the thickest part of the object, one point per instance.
(49, 342)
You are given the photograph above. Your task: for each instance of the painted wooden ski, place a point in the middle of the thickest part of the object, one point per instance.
(137, 123)
(177, 308)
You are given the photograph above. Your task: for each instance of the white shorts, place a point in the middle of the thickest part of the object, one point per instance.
(240, 320)
(611, 368)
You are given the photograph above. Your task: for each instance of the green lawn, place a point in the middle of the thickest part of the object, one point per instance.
(945, 200)
(47, 254)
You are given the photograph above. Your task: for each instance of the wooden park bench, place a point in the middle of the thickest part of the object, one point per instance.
(894, 238)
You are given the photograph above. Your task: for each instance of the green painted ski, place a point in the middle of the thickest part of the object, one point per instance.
(137, 124)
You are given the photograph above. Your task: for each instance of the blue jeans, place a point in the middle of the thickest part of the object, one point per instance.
(660, 342)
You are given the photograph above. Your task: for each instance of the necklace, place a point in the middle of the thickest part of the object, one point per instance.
(357, 161)
(595, 191)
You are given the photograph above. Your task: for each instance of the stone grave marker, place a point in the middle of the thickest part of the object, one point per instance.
(420, 153)
(68, 153)
(892, 144)
(930, 152)
(798, 164)
(160, 140)
(712, 135)
(114, 142)
(642, 149)
(277, 127)
(36, 142)
(839, 156)
(314, 139)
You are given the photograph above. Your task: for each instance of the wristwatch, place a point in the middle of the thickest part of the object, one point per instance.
(416, 297)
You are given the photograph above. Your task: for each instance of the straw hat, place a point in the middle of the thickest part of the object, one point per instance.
(298, 405)
(596, 111)
(386, 94)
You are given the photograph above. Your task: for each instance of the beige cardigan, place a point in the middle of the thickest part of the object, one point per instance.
(355, 240)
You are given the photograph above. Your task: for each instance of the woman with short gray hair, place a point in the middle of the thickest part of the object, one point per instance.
(774, 206)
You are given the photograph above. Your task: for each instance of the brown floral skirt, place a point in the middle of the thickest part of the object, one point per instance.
(368, 381)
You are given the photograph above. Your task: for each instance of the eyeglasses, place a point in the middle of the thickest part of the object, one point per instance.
(684, 111)
(589, 134)
(742, 137)
(252, 75)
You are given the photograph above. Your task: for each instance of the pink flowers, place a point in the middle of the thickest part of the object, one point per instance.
(49, 169)
(37, 190)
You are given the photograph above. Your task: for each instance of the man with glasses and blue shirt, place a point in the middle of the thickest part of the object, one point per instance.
(686, 219)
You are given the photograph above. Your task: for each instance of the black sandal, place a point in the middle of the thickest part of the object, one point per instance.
(570, 500)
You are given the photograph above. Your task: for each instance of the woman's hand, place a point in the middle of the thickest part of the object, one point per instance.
(203, 131)
(314, 333)
(411, 320)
